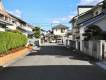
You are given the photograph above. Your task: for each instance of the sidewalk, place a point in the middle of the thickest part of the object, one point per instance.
(102, 64)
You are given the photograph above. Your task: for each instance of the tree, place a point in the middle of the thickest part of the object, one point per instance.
(37, 32)
(93, 32)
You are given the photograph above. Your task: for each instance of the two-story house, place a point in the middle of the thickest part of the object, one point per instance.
(60, 31)
(91, 26)
(5, 19)
(75, 27)
(88, 15)
(11, 22)
(21, 25)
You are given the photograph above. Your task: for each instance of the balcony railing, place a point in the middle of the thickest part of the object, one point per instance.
(5, 22)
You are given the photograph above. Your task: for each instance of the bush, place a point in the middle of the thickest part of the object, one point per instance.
(36, 32)
(11, 40)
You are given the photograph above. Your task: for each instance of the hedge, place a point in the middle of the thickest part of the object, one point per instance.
(11, 40)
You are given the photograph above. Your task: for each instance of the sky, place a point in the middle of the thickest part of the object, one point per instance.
(46, 13)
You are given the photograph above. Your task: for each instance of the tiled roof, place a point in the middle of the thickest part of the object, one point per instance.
(93, 19)
(60, 26)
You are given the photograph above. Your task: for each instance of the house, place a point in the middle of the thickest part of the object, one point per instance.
(5, 19)
(91, 31)
(9, 22)
(60, 32)
(84, 8)
(75, 27)
(21, 25)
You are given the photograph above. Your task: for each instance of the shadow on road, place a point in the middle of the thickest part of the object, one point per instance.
(56, 72)
(61, 51)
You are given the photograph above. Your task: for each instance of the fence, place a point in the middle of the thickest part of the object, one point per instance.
(95, 48)
(71, 44)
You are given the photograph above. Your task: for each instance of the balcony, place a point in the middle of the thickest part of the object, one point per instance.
(6, 22)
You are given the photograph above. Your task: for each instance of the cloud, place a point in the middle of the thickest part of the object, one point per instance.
(64, 19)
(89, 2)
(71, 16)
(55, 22)
(17, 13)
(67, 18)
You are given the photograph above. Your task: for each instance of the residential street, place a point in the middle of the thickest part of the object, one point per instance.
(52, 62)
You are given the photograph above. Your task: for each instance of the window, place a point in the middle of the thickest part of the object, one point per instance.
(96, 13)
(1, 16)
(62, 30)
(6, 18)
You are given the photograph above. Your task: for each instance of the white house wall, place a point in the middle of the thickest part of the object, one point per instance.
(17, 23)
(27, 28)
(58, 32)
(81, 37)
(90, 50)
(1, 29)
(12, 27)
(82, 10)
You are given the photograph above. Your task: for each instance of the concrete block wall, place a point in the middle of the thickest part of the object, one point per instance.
(94, 48)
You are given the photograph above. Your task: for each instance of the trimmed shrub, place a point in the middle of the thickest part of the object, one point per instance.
(11, 40)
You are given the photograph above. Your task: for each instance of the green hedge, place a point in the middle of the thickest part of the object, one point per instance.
(11, 40)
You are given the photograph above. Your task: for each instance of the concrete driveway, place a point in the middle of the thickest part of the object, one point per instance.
(52, 62)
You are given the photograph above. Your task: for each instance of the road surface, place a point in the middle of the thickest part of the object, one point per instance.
(51, 62)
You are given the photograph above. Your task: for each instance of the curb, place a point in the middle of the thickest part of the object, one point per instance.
(2, 67)
(15, 60)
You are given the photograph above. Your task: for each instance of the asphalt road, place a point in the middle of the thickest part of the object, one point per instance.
(52, 62)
